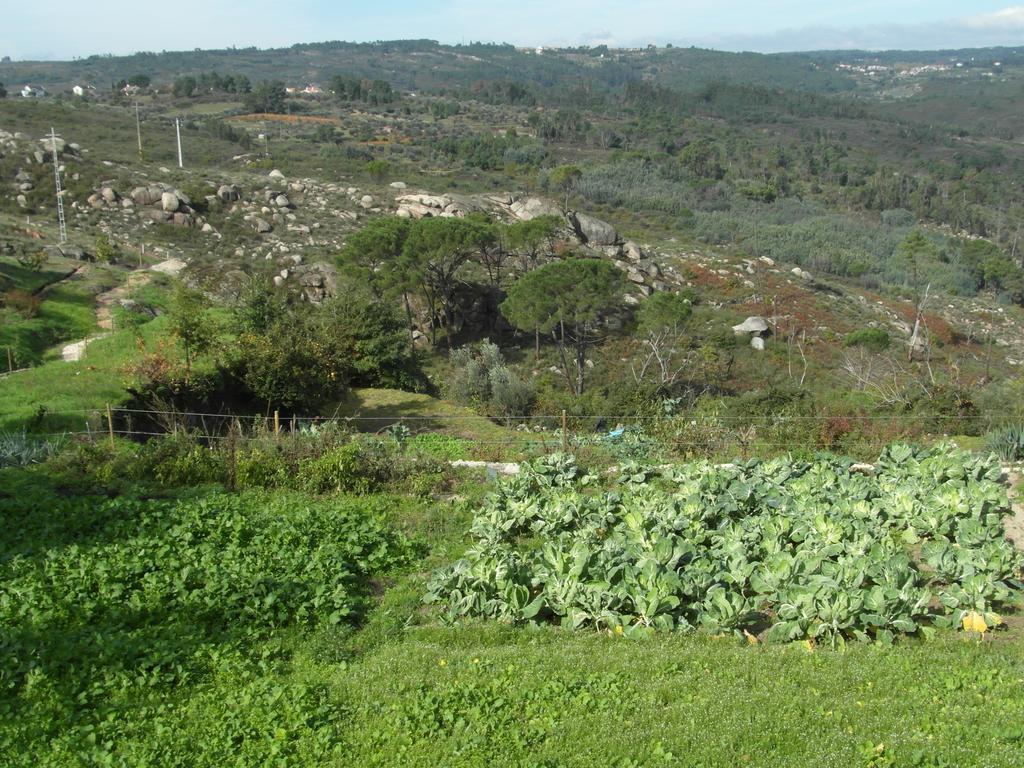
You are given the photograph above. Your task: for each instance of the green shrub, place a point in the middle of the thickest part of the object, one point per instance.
(358, 467)
(91, 467)
(874, 339)
(179, 459)
(437, 446)
(481, 377)
(256, 468)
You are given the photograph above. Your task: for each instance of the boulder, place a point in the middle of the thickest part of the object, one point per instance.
(146, 195)
(398, 185)
(262, 226)
(50, 144)
(756, 342)
(461, 206)
(182, 219)
(275, 174)
(633, 251)
(755, 324)
(22, 201)
(649, 267)
(594, 231)
(228, 194)
(428, 201)
(67, 251)
(169, 202)
(109, 195)
(532, 207)
(282, 201)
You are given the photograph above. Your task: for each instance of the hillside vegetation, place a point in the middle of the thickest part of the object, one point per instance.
(468, 405)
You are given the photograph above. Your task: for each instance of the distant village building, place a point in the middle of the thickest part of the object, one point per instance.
(32, 92)
(78, 90)
(130, 90)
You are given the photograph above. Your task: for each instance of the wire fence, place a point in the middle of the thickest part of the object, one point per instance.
(685, 432)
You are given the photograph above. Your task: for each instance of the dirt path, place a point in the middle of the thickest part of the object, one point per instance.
(105, 302)
(1015, 524)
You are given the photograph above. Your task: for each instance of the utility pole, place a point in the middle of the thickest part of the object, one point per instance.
(61, 221)
(177, 129)
(138, 128)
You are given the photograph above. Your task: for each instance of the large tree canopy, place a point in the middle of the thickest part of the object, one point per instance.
(567, 299)
(434, 252)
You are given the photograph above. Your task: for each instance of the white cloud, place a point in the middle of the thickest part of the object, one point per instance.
(1004, 27)
(1011, 17)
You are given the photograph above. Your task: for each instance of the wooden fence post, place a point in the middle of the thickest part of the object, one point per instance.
(10, 360)
(232, 455)
(565, 432)
(277, 424)
(110, 425)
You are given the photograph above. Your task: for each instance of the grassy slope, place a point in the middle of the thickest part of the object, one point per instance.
(377, 409)
(71, 390)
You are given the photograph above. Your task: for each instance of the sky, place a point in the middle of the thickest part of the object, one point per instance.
(59, 29)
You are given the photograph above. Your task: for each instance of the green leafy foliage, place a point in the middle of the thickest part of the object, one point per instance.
(805, 549)
(18, 449)
(137, 631)
(481, 377)
(1007, 443)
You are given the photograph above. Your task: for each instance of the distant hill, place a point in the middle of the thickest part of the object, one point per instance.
(426, 65)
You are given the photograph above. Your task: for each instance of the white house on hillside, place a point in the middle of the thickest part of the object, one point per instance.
(78, 90)
(32, 91)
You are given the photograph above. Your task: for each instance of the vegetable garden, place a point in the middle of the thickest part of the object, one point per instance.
(780, 550)
(132, 630)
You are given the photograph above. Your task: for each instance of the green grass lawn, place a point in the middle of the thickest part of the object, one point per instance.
(65, 314)
(492, 696)
(375, 410)
(70, 394)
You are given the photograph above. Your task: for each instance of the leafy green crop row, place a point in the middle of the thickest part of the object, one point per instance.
(126, 624)
(779, 550)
